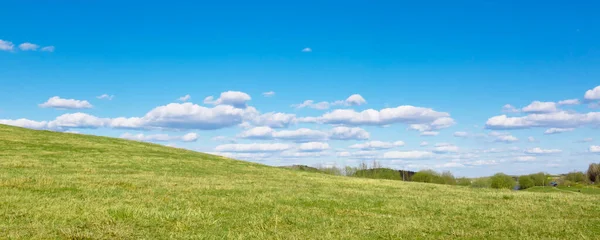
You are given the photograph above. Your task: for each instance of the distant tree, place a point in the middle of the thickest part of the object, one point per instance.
(427, 176)
(593, 172)
(539, 179)
(501, 180)
(483, 182)
(448, 178)
(463, 181)
(525, 182)
(575, 177)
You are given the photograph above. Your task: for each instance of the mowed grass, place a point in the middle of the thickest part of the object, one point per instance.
(69, 186)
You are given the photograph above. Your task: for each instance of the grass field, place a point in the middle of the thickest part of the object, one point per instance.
(565, 189)
(69, 186)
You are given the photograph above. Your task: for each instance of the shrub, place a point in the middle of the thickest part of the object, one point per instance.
(525, 182)
(539, 179)
(448, 178)
(501, 180)
(481, 183)
(463, 181)
(577, 177)
(593, 172)
(378, 173)
(426, 176)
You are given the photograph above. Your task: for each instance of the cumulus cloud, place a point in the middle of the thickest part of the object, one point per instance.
(560, 119)
(268, 94)
(26, 123)
(540, 107)
(540, 151)
(355, 100)
(48, 49)
(569, 102)
(595, 149)
(105, 96)
(592, 94)
(407, 155)
(192, 116)
(461, 134)
(506, 139)
(232, 98)
(185, 98)
(349, 133)
(190, 137)
(445, 148)
(558, 130)
(510, 109)
(313, 147)
(61, 103)
(372, 145)
(429, 133)
(28, 46)
(402, 114)
(6, 45)
(253, 147)
(273, 120)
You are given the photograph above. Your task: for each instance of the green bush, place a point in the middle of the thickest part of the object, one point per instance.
(540, 179)
(378, 173)
(463, 181)
(481, 183)
(525, 182)
(593, 172)
(501, 180)
(576, 177)
(448, 178)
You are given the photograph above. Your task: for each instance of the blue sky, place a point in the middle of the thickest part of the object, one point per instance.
(380, 76)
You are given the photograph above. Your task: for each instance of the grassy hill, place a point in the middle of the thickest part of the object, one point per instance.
(69, 186)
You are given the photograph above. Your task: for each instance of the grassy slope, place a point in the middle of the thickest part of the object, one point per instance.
(564, 189)
(58, 185)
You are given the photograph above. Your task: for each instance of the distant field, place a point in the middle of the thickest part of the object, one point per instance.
(564, 189)
(70, 186)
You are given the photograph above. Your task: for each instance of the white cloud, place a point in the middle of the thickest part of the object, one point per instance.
(510, 109)
(461, 134)
(401, 114)
(268, 94)
(302, 134)
(525, 158)
(592, 94)
(307, 49)
(560, 119)
(28, 46)
(355, 100)
(595, 149)
(359, 154)
(294, 154)
(192, 116)
(558, 130)
(569, 102)
(423, 144)
(377, 145)
(407, 155)
(6, 45)
(253, 147)
(190, 137)
(185, 98)
(540, 151)
(105, 96)
(506, 138)
(274, 120)
(233, 98)
(445, 148)
(26, 123)
(347, 133)
(531, 139)
(429, 133)
(61, 103)
(540, 107)
(482, 162)
(312, 104)
(48, 49)
(313, 147)
(450, 165)
(419, 127)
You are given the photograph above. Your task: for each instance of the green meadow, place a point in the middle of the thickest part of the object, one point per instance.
(71, 186)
